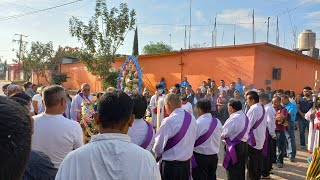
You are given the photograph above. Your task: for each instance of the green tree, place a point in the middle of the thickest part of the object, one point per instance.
(157, 48)
(3, 69)
(102, 36)
(38, 58)
(135, 49)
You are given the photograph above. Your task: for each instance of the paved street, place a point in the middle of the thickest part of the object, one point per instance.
(291, 171)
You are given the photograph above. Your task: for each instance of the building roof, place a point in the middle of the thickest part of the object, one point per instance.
(262, 44)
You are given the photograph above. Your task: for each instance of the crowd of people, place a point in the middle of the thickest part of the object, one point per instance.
(42, 138)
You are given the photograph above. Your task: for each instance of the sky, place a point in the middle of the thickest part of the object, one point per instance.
(164, 20)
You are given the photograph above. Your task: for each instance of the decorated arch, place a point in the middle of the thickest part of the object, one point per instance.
(130, 76)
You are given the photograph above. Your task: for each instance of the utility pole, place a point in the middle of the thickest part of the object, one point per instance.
(170, 39)
(215, 31)
(185, 37)
(190, 25)
(234, 33)
(277, 33)
(253, 31)
(268, 30)
(21, 43)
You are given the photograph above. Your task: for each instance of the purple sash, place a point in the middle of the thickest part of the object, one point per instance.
(265, 145)
(85, 98)
(203, 138)
(148, 139)
(251, 137)
(230, 151)
(182, 132)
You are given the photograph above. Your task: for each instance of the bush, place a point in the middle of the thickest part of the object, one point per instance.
(59, 78)
(111, 80)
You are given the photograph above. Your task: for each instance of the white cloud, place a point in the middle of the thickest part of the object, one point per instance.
(243, 18)
(315, 14)
(200, 16)
(151, 30)
(308, 1)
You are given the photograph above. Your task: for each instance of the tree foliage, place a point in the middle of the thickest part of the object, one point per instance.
(38, 59)
(3, 69)
(135, 48)
(102, 36)
(157, 48)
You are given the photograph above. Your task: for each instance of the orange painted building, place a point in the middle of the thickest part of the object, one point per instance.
(260, 64)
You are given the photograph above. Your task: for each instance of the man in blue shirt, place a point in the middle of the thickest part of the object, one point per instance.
(239, 86)
(292, 110)
(162, 83)
(185, 82)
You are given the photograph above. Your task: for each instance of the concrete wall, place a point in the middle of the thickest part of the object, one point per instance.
(297, 70)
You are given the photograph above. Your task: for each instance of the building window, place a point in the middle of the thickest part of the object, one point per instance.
(276, 73)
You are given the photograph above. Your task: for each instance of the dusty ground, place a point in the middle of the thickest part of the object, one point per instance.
(291, 170)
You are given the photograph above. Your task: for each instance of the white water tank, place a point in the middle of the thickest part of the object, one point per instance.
(307, 40)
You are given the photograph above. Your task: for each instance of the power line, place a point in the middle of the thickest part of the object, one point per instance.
(288, 10)
(37, 11)
(20, 5)
(220, 24)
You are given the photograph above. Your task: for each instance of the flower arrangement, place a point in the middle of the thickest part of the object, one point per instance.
(86, 120)
(130, 78)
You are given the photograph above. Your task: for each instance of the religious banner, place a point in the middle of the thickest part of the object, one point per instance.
(130, 76)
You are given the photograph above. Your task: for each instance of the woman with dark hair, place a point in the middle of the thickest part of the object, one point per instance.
(222, 102)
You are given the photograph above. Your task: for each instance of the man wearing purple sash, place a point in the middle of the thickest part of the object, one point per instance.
(82, 98)
(141, 132)
(270, 117)
(257, 135)
(235, 135)
(207, 144)
(174, 141)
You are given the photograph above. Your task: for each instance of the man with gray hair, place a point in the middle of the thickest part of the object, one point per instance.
(13, 89)
(174, 141)
(55, 135)
(83, 97)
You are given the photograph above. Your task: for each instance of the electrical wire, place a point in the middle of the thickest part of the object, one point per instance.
(37, 11)
(28, 7)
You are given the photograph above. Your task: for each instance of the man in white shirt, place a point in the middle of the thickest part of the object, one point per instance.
(257, 134)
(235, 135)
(154, 101)
(110, 154)
(186, 105)
(83, 97)
(141, 132)
(223, 86)
(55, 135)
(37, 101)
(270, 116)
(208, 142)
(175, 155)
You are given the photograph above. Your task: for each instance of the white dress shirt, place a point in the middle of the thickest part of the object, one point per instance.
(38, 99)
(109, 156)
(56, 136)
(187, 107)
(212, 145)
(270, 117)
(234, 125)
(170, 127)
(138, 133)
(154, 104)
(76, 106)
(225, 88)
(254, 114)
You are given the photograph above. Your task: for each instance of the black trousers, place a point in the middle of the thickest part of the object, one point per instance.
(238, 171)
(175, 170)
(254, 163)
(207, 167)
(266, 165)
